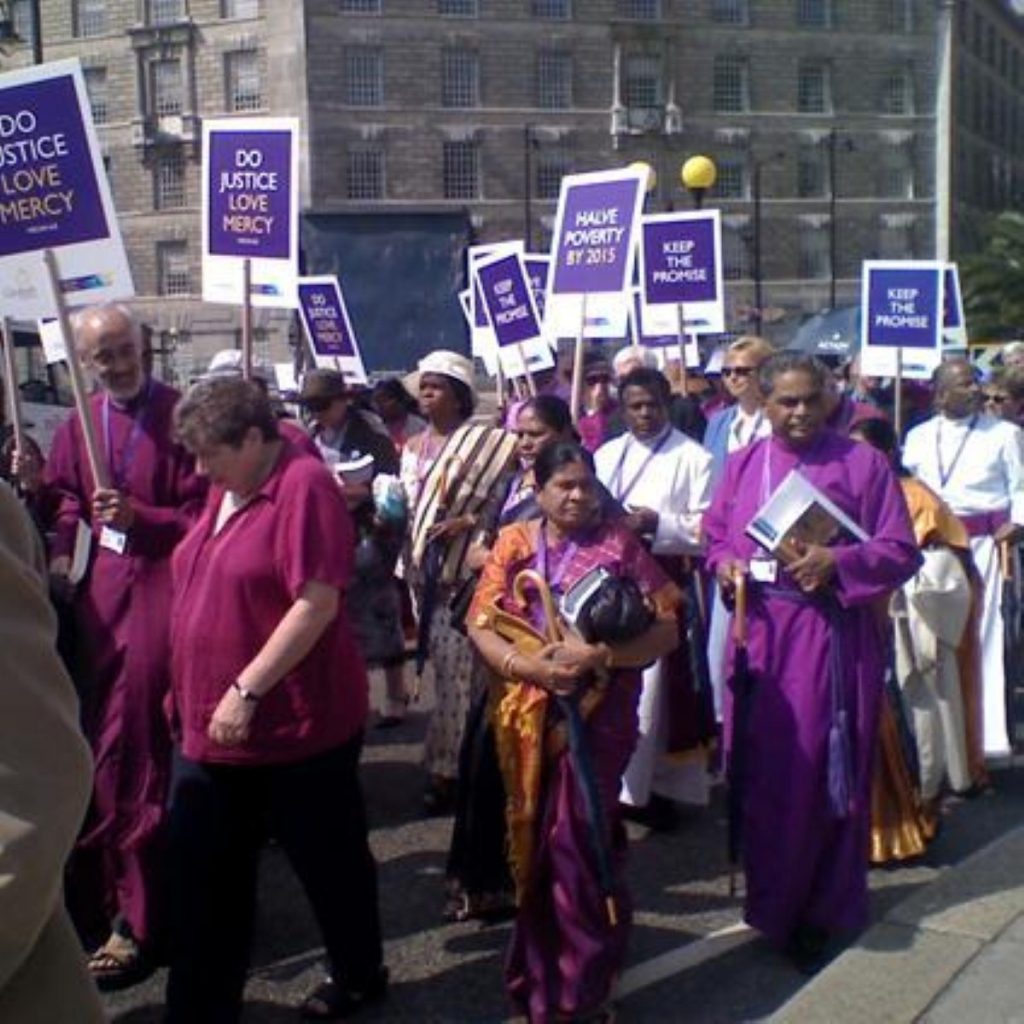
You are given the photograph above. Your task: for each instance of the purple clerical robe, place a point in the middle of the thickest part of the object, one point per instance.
(122, 615)
(803, 864)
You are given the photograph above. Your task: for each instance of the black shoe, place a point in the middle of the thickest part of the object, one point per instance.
(330, 1001)
(659, 814)
(808, 949)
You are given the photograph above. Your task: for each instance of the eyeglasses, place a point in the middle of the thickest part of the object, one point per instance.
(995, 399)
(737, 371)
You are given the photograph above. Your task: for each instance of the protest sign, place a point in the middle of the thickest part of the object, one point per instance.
(901, 317)
(537, 269)
(329, 328)
(507, 294)
(593, 251)
(483, 343)
(54, 196)
(644, 334)
(250, 210)
(954, 324)
(681, 265)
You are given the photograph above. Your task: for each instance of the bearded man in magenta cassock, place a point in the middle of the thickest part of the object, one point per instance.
(121, 619)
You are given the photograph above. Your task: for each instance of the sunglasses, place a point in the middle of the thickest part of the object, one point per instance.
(995, 399)
(737, 371)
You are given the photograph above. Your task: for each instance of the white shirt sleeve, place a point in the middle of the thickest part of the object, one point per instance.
(1013, 461)
(678, 531)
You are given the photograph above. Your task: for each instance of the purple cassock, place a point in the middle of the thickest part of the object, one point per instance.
(804, 864)
(122, 611)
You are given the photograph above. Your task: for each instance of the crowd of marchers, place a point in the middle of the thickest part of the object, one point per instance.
(607, 635)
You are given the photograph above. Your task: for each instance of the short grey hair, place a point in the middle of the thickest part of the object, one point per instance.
(83, 317)
(791, 361)
(646, 357)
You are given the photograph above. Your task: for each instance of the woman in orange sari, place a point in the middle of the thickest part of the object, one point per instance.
(566, 846)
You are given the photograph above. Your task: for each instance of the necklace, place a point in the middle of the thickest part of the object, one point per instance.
(946, 473)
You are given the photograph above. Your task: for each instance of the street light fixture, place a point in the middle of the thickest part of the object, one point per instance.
(698, 174)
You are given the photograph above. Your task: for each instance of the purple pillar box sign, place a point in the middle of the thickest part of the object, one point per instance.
(508, 296)
(680, 261)
(328, 326)
(54, 195)
(250, 209)
(902, 309)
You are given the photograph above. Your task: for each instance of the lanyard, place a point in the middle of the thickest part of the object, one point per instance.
(553, 580)
(945, 474)
(131, 444)
(622, 493)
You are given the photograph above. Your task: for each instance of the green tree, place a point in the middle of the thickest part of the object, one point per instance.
(993, 280)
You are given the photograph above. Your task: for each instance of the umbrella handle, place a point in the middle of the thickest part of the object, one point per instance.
(739, 616)
(529, 577)
(1006, 559)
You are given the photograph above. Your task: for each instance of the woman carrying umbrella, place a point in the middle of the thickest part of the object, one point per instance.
(566, 947)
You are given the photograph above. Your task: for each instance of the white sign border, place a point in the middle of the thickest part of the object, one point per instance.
(352, 367)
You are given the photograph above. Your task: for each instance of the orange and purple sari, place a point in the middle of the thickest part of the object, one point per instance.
(564, 954)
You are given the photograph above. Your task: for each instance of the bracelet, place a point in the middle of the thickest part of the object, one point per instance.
(246, 694)
(506, 664)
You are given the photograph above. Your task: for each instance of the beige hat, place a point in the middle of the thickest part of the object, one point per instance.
(321, 385)
(448, 364)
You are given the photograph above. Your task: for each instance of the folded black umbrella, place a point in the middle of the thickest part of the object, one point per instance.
(741, 683)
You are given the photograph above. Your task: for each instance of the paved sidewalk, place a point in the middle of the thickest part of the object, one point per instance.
(952, 952)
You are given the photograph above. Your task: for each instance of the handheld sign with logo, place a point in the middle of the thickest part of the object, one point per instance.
(511, 309)
(681, 266)
(329, 328)
(250, 210)
(642, 334)
(483, 343)
(901, 317)
(54, 196)
(954, 324)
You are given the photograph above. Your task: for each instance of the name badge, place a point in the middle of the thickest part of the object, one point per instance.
(764, 570)
(113, 540)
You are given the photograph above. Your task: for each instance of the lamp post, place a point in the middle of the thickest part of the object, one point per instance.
(758, 276)
(652, 175)
(698, 174)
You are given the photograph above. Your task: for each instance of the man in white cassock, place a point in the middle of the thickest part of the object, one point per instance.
(975, 462)
(662, 479)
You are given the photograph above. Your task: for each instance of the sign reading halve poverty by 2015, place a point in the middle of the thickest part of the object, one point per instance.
(507, 293)
(54, 195)
(954, 324)
(593, 251)
(328, 327)
(251, 210)
(681, 265)
(901, 312)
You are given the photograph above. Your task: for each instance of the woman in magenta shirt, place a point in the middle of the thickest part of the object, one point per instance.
(270, 702)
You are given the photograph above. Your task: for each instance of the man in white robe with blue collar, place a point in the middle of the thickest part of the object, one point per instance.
(975, 463)
(663, 480)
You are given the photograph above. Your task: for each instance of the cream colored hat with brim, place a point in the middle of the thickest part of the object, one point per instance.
(447, 364)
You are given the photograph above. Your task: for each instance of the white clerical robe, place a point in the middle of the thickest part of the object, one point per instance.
(976, 465)
(670, 474)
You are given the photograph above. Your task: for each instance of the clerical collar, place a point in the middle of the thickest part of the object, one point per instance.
(655, 440)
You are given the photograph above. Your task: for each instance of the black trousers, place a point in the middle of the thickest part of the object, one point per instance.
(220, 817)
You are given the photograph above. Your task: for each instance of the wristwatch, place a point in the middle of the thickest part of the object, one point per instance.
(246, 694)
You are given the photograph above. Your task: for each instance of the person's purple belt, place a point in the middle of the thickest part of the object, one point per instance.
(984, 524)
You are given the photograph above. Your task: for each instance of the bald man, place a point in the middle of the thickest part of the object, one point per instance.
(120, 610)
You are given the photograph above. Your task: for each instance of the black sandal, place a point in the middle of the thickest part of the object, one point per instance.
(330, 1001)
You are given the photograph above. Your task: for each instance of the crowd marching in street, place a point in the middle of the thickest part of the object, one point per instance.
(608, 636)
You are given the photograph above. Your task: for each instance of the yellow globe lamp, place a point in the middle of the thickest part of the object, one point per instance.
(698, 174)
(645, 168)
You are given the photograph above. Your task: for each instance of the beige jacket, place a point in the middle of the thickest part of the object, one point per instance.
(45, 779)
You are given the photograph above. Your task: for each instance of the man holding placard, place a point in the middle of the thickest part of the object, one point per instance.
(120, 611)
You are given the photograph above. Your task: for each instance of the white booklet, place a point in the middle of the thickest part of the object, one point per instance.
(83, 548)
(797, 514)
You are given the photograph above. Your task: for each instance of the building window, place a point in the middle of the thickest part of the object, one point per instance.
(168, 90)
(638, 10)
(550, 9)
(360, 6)
(814, 253)
(730, 86)
(554, 80)
(731, 182)
(461, 170)
(729, 12)
(21, 20)
(813, 95)
(735, 255)
(96, 87)
(90, 17)
(457, 8)
(810, 173)
(244, 81)
(896, 174)
(641, 83)
(169, 181)
(898, 93)
(814, 13)
(896, 242)
(164, 12)
(460, 78)
(553, 164)
(173, 269)
(363, 76)
(898, 15)
(364, 172)
(240, 9)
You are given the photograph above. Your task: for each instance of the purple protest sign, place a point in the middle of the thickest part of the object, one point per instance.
(323, 313)
(902, 305)
(592, 248)
(49, 195)
(506, 292)
(537, 268)
(250, 194)
(679, 261)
